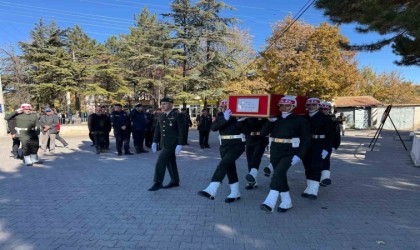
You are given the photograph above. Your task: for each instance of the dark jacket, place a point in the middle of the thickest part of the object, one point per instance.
(170, 129)
(321, 124)
(149, 121)
(119, 119)
(336, 141)
(99, 124)
(230, 127)
(11, 124)
(204, 122)
(188, 122)
(138, 120)
(252, 126)
(293, 126)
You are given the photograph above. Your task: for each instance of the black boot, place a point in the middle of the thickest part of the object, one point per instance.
(171, 185)
(156, 186)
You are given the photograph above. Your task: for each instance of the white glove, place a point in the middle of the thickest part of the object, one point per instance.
(178, 149)
(227, 114)
(295, 160)
(242, 119)
(324, 153)
(272, 119)
(333, 150)
(154, 147)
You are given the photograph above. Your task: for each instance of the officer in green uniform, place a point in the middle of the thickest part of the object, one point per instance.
(170, 130)
(27, 130)
(290, 139)
(232, 145)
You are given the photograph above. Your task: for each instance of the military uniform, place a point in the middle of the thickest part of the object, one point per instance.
(326, 163)
(232, 145)
(321, 139)
(255, 148)
(230, 149)
(170, 131)
(282, 150)
(27, 131)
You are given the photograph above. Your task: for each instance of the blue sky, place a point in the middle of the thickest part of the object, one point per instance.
(102, 18)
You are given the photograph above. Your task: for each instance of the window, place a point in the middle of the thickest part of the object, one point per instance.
(195, 110)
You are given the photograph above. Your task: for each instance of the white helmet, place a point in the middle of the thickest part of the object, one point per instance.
(316, 101)
(326, 105)
(26, 106)
(291, 100)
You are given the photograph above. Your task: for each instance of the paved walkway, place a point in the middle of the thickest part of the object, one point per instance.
(78, 200)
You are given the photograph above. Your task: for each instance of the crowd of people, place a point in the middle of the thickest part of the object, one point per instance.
(291, 138)
(137, 123)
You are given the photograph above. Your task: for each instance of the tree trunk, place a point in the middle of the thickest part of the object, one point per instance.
(68, 103)
(77, 97)
(205, 103)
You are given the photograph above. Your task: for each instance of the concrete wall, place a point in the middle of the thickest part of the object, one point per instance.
(416, 118)
(404, 117)
(415, 150)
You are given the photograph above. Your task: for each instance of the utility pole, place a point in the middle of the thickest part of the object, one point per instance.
(3, 130)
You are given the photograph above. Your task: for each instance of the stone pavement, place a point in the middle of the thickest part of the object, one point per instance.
(78, 200)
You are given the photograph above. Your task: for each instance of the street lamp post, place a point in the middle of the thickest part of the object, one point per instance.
(3, 130)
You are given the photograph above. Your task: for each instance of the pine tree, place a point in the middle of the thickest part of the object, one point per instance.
(217, 62)
(50, 71)
(108, 84)
(184, 20)
(148, 54)
(400, 20)
(83, 51)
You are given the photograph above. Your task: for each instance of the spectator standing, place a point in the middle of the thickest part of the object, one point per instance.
(99, 125)
(139, 127)
(341, 119)
(48, 123)
(149, 136)
(203, 125)
(105, 112)
(188, 124)
(120, 121)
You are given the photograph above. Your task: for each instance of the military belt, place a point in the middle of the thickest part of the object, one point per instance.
(255, 133)
(23, 129)
(280, 140)
(228, 137)
(318, 136)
